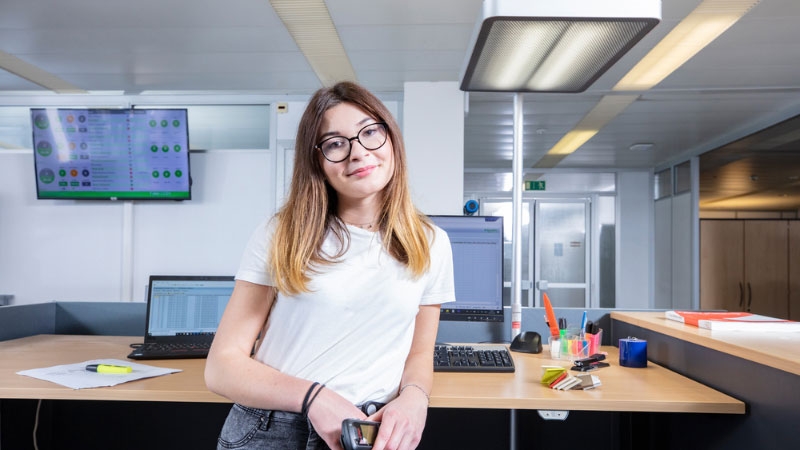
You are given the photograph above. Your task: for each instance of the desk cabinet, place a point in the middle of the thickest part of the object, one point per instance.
(744, 266)
(760, 369)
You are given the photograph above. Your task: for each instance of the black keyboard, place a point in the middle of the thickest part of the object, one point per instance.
(472, 358)
(171, 351)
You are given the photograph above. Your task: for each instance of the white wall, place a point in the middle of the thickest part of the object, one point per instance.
(433, 128)
(231, 195)
(55, 250)
(634, 240)
(77, 250)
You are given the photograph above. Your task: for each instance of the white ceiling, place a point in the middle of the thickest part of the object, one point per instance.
(747, 79)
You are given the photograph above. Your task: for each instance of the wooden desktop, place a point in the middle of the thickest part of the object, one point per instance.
(778, 350)
(472, 400)
(51, 350)
(654, 388)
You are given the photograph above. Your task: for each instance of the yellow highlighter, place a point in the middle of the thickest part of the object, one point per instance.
(108, 368)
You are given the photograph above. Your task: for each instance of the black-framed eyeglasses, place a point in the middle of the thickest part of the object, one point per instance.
(337, 148)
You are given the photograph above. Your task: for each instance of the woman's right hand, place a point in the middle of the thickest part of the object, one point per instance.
(326, 414)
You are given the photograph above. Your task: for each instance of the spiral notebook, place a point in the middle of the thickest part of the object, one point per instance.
(183, 312)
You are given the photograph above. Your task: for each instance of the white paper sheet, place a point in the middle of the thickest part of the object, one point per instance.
(76, 376)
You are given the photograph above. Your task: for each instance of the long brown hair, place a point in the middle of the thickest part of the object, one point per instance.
(311, 208)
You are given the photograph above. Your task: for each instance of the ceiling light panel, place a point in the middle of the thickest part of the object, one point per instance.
(707, 22)
(311, 27)
(525, 46)
(34, 74)
(609, 107)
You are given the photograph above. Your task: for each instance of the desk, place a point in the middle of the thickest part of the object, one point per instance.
(762, 369)
(52, 350)
(777, 350)
(653, 389)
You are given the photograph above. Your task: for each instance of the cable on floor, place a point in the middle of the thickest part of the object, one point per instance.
(36, 425)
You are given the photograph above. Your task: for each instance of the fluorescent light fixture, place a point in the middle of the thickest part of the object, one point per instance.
(758, 201)
(606, 110)
(556, 46)
(28, 71)
(571, 141)
(9, 146)
(707, 22)
(710, 19)
(311, 27)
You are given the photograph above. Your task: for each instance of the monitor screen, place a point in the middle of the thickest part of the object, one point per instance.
(190, 306)
(477, 243)
(111, 154)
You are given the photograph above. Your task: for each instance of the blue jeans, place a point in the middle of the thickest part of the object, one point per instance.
(251, 428)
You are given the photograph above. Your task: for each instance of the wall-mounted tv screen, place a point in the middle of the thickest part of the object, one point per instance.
(111, 154)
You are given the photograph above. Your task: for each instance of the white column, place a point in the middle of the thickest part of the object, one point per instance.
(433, 129)
(635, 233)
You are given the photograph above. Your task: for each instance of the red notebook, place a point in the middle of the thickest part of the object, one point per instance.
(742, 321)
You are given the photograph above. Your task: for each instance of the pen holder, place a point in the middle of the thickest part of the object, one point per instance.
(577, 347)
(565, 336)
(595, 341)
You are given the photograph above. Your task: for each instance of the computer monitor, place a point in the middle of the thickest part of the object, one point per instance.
(477, 243)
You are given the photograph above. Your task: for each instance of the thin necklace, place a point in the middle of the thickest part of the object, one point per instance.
(365, 226)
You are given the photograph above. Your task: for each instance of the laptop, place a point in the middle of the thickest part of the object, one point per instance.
(183, 313)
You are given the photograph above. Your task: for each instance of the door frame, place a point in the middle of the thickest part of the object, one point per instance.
(587, 245)
(533, 296)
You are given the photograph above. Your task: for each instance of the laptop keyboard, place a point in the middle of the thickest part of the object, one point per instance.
(173, 350)
(472, 358)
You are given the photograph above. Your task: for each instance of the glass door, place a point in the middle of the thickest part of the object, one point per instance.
(561, 256)
(503, 207)
(555, 249)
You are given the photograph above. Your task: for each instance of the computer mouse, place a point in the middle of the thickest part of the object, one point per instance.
(527, 342)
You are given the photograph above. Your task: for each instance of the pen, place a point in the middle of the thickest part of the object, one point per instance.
(108, 368)
(583, 325)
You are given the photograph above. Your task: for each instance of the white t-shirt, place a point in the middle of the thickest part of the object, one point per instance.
(353, 331)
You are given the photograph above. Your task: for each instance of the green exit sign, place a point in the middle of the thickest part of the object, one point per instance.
(535, 185)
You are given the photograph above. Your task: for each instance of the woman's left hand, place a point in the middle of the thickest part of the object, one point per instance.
(402, 421)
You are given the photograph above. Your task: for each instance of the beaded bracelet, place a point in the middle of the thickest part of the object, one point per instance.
(428, 397)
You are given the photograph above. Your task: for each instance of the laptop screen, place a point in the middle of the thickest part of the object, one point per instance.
(186, 305)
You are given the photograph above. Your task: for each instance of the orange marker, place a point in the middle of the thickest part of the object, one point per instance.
(551, 316)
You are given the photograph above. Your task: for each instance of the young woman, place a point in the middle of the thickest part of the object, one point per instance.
(341, 288)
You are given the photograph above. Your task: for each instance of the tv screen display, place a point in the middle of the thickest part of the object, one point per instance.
(111, 154)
